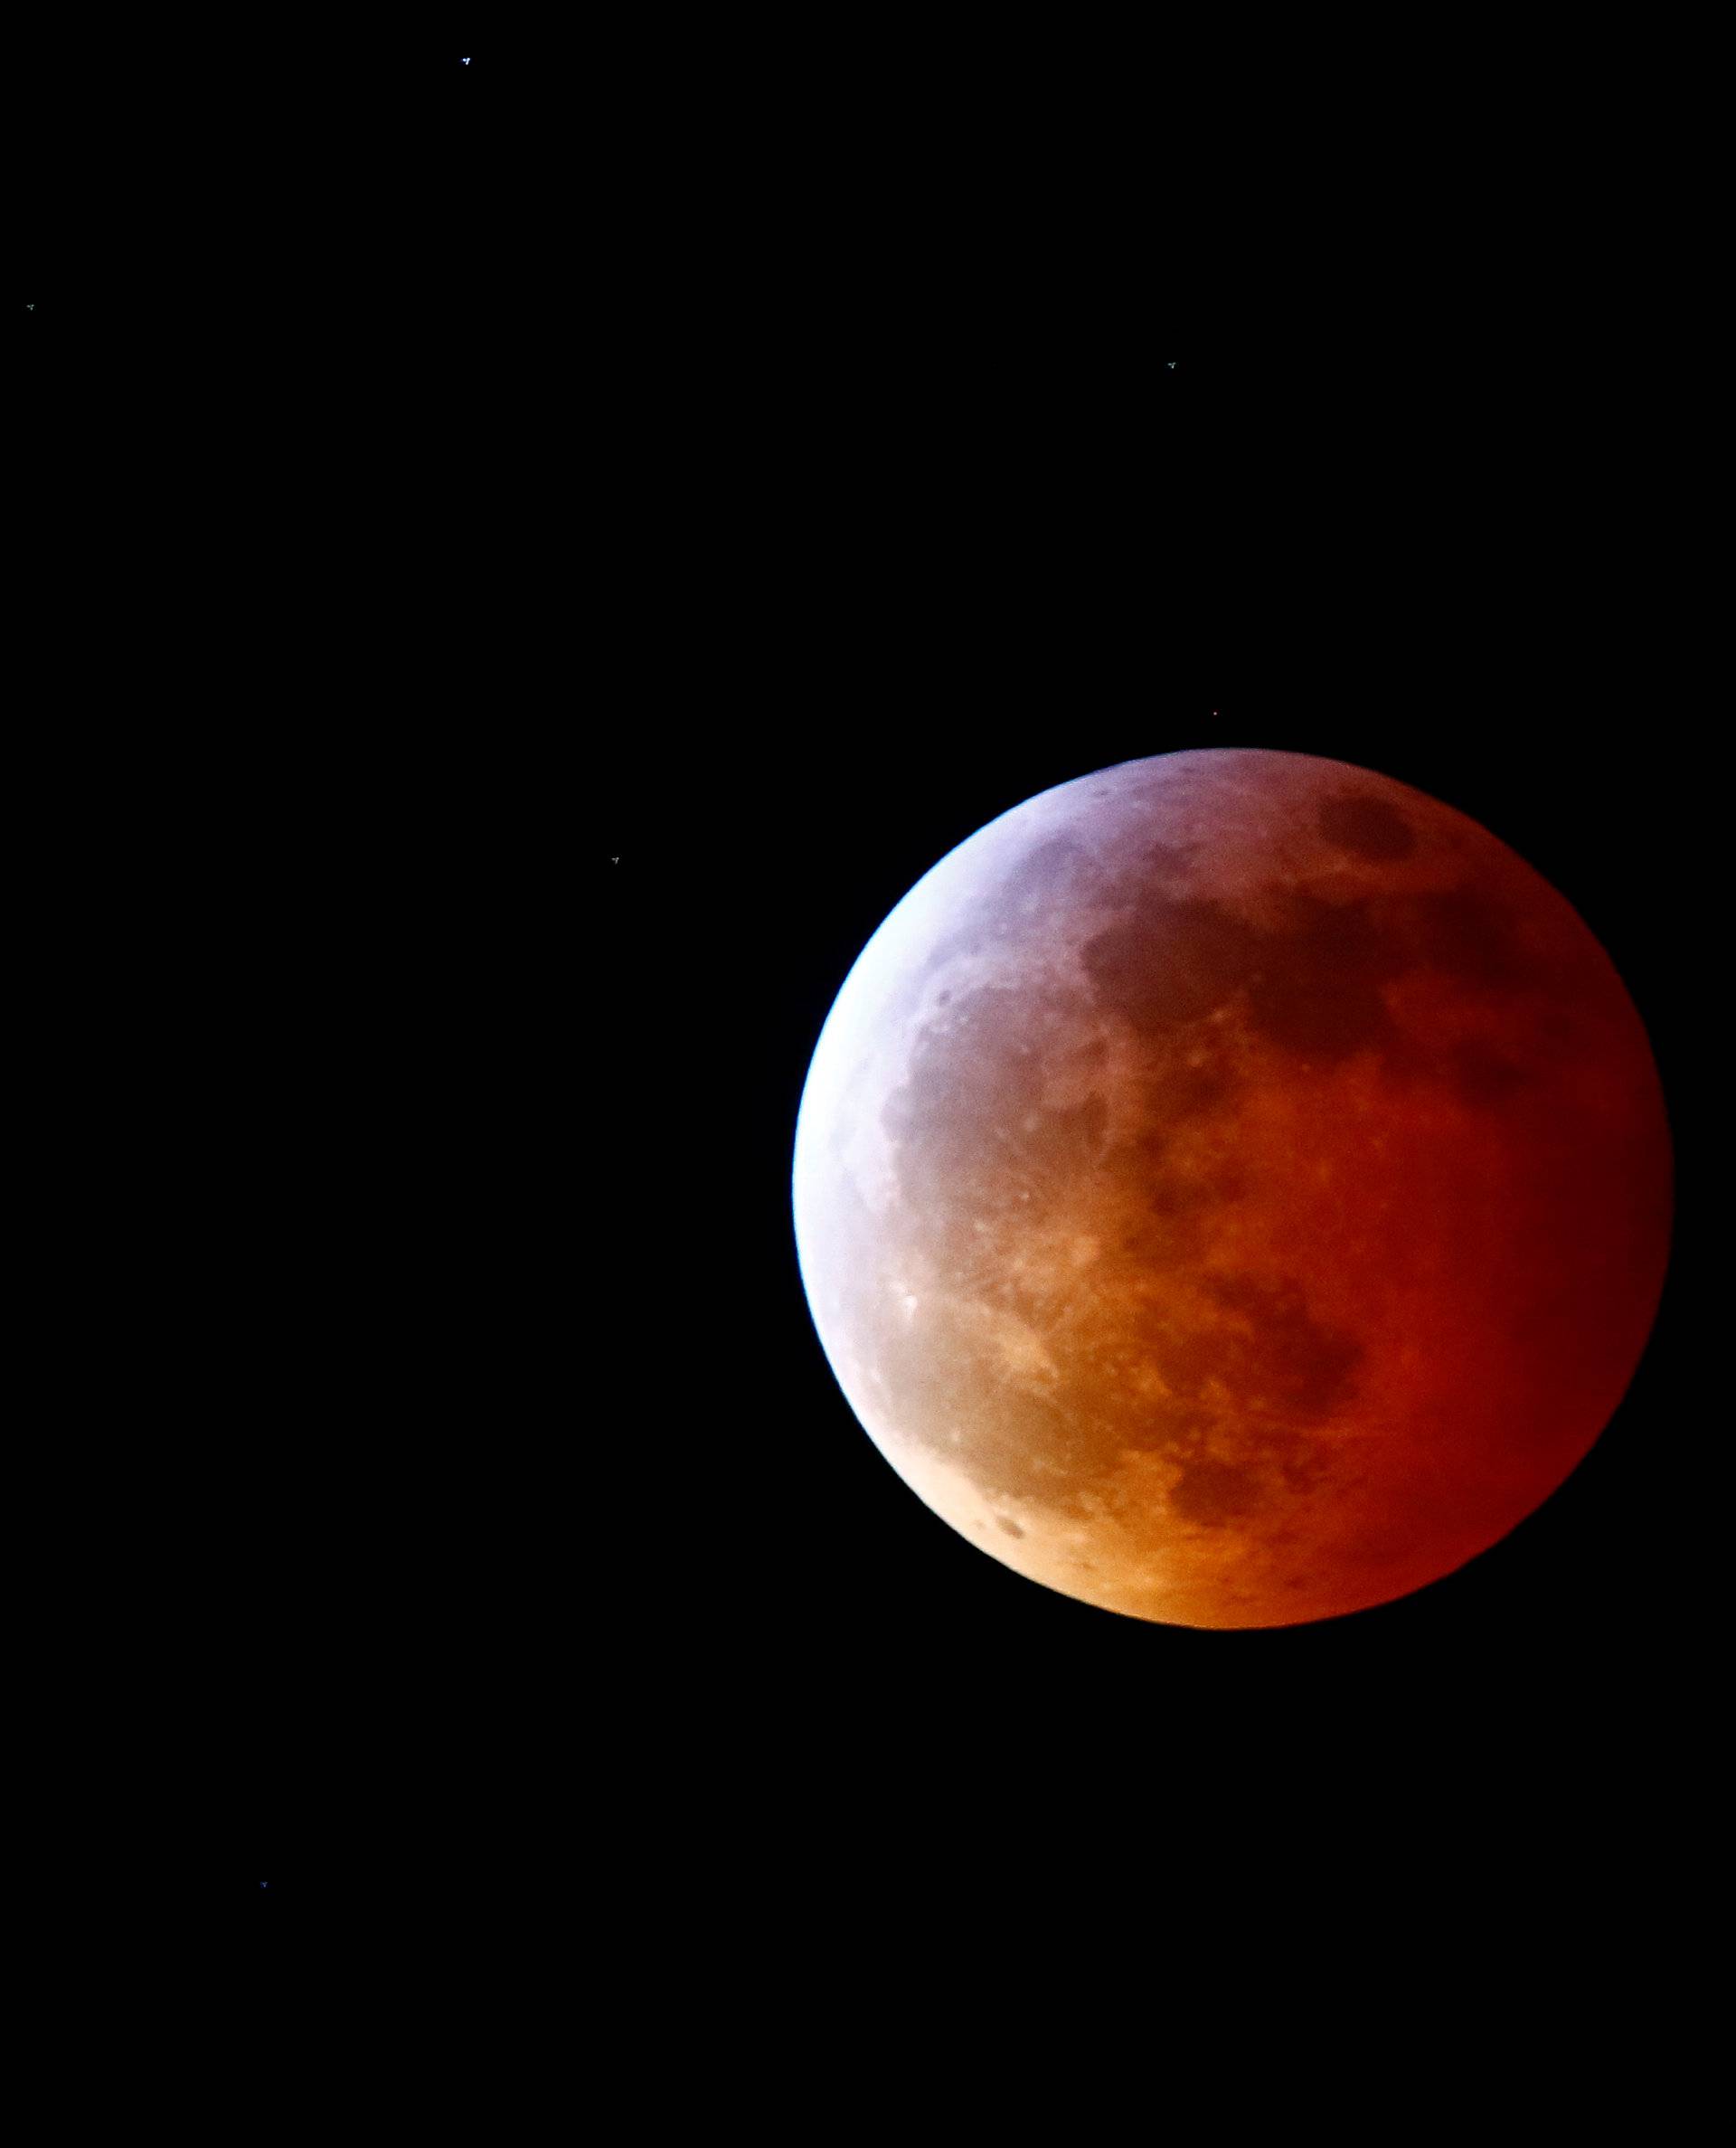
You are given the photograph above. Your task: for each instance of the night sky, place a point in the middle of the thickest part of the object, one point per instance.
(201, 197)
(1396, 560)
(501, 1548)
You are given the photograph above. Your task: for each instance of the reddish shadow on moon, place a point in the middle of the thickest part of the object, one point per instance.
(1241, 1177)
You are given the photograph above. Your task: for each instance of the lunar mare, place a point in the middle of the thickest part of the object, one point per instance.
(1232, 1188)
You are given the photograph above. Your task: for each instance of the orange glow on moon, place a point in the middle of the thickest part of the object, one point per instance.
(1232, 1188)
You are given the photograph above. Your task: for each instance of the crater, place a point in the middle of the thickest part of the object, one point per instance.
(1172, 1192)
(1366, 827)
(1317, 993)
(1273, 1358)
(1167, 861)
(1059, 870)
(1174, 962)
(1182, 1092)
(1172, 1429)
(1480, 1077)
(1167, 1201)
(1212, 1493)
(1467, 936)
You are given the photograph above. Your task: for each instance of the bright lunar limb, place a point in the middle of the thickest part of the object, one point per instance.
(1232, 1188)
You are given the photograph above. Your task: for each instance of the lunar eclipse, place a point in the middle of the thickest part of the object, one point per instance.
(1232, 1188)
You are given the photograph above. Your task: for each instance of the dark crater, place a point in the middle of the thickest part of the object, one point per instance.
(1366, 827)
(1167, 861)
(1317, 991)
(1467, 936)
(1281, 1362)
(1479, 1076)
(1174, 962)
(1316, 982)
(1213, 1492)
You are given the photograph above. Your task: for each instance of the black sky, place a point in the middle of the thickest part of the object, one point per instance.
(806, 1705)
(839, 557)
(1400, 565)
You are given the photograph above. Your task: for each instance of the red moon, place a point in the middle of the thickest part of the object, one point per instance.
(1232, 1188)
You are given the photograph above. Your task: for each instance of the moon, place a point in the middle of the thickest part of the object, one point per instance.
(1232, 1188)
